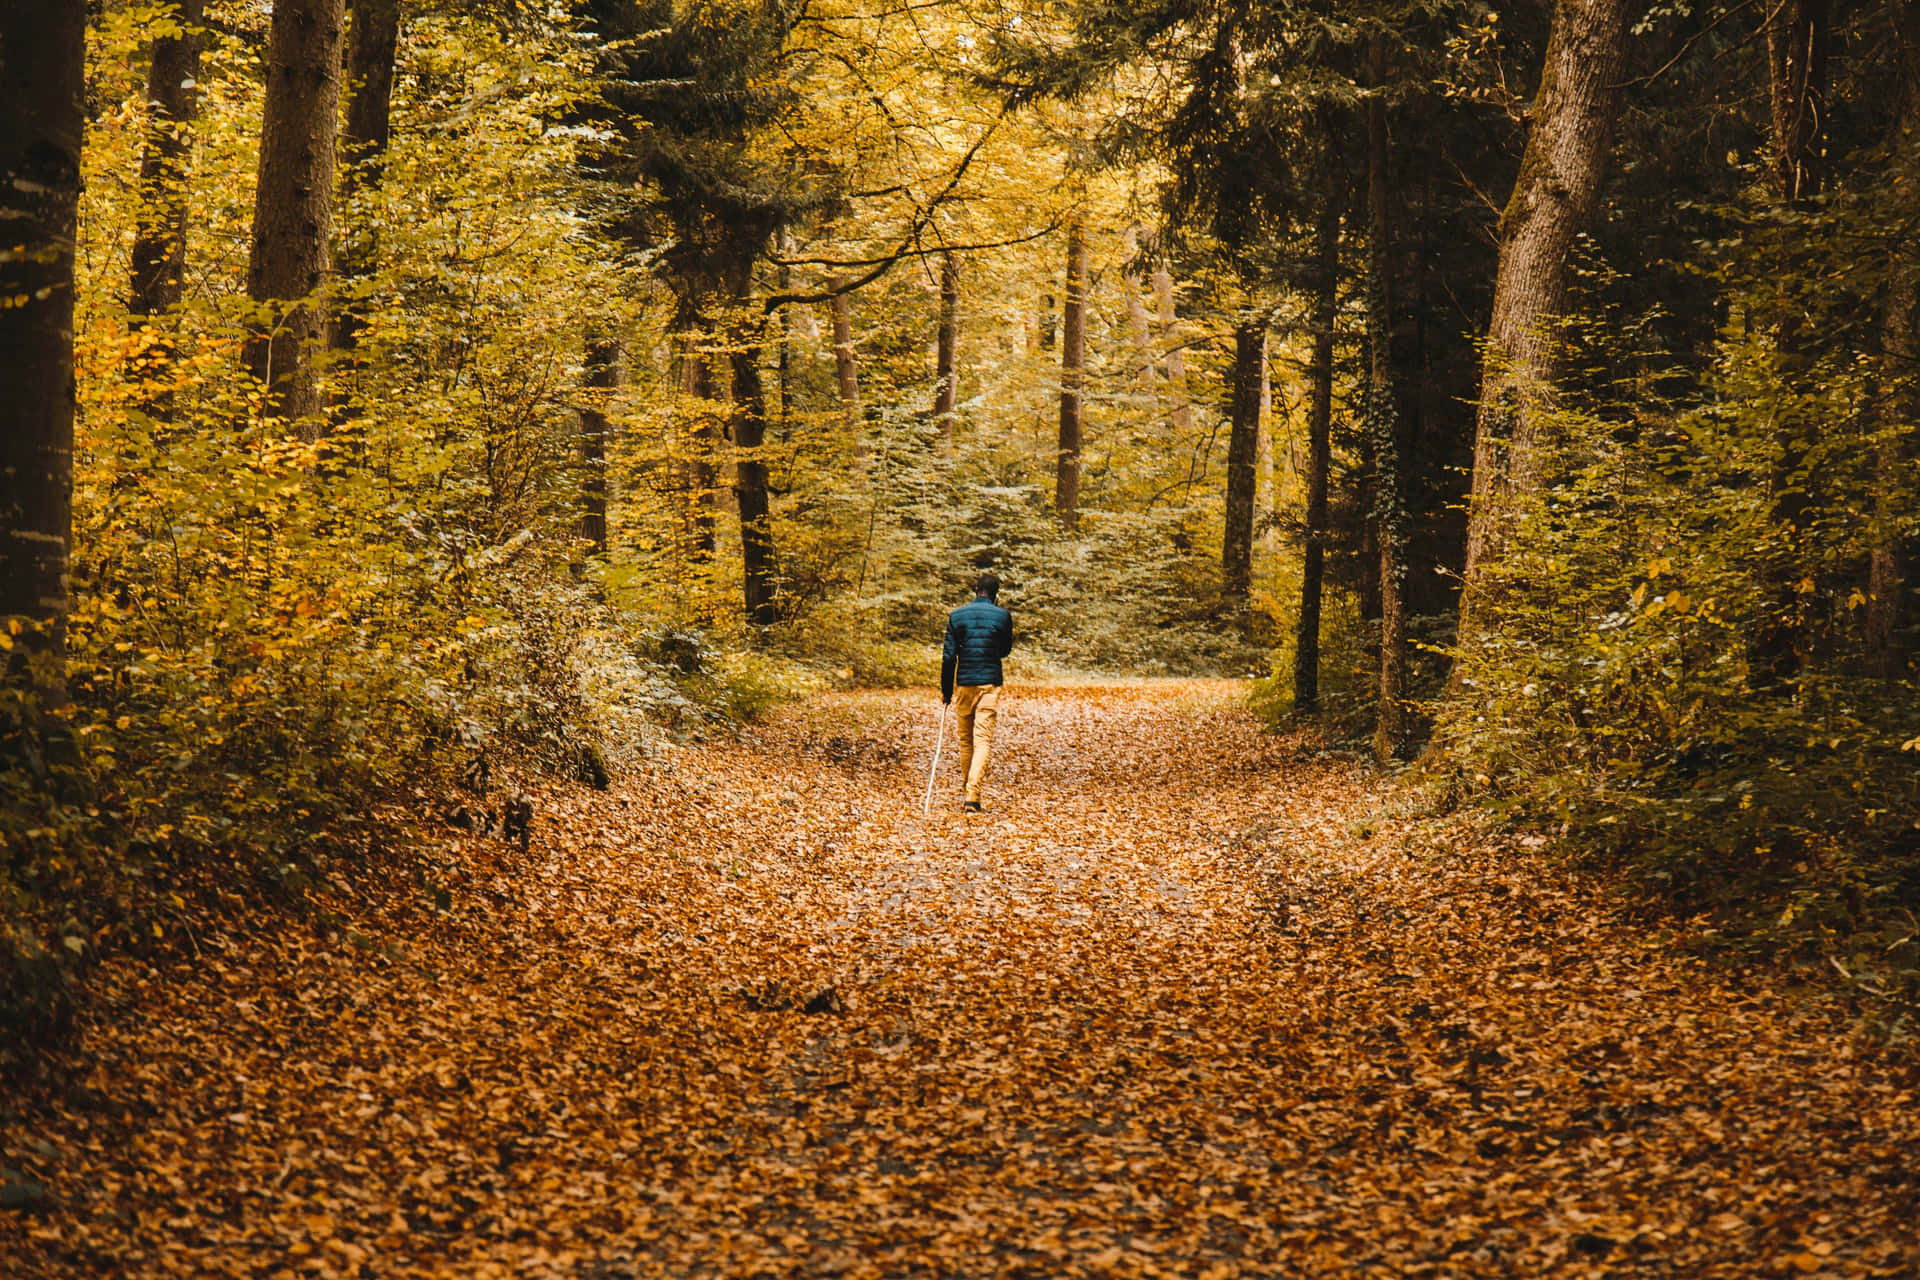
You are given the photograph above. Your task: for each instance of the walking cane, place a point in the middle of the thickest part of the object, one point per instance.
(938, 741)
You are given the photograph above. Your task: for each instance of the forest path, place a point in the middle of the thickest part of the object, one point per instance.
(1184, 1002)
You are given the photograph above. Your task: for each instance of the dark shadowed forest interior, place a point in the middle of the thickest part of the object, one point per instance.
(483, 482)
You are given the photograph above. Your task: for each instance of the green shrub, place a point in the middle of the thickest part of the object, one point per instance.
(1674, 677)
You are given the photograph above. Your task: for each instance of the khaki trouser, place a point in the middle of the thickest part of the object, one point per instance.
(976, 706)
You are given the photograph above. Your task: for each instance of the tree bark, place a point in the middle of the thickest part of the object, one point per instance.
(160, 235)
(1553, 201)
(750, 476)
(945, 378)
(1243, 444)
(1797, 93)
(1073, 372)
(1306, 651)
(1138, 325)
(605, 372)
(1390, 735)
(293, 202)
(41, 119)
(1899, 371)
(373, 40)
(846, 368)
(697, 472)
(369, 120)
(1886, 574)
(1176, 354)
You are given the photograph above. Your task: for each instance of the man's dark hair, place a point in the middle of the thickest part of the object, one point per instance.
(988, 585)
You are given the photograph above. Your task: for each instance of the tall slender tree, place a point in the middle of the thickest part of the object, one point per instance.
(372, 45)
(1798, 33)
(293, 202)
(1313, 556)
(1182, 413)
(946, 381)
(1243, 447)
(1073, 375)
(1893, 483)
(42, 80)
(1392, 721)
(846, 365)
(750, 486)
(160, 236)
(605, 372)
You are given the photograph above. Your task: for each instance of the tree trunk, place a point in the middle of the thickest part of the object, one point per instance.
(697, 472)
(363, 141)
(1553, 201)
(604, 375)
(846, 368)
(1176, 354)
(1390, 733)
(369, 121)
(1306, 652)
(1138, 325)
(750, 475)
(160, 235)
(1899, 369)
(293, 201)
(1073, 372)
(1886, 575)
(1266, 491)
(1243, 444)
(945, 378)
(1797, 93)
(1796, 83)
(41, 120)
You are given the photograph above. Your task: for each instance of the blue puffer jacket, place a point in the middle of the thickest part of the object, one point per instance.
(978, 636)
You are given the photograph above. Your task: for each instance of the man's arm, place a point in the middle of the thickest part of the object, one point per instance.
(949, 655)
(1006, 636)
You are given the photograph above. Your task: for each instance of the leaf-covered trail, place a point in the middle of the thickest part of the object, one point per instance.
(1181, 1003)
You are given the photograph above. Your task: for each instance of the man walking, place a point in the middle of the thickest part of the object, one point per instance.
(979, 635)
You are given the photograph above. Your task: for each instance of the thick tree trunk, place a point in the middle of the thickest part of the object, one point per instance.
(1390, 735)
(1243, 444)
(605, 372)
(1797, 93)
(1553, 201)
(41, 94)
(946, 380)
(371, 46)
(1073, 373)
(160, 234)
(1176, 354)
(1306, 651)
(293, 202)
(750, 476)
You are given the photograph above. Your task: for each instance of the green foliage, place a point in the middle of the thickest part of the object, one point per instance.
(1675, 677)
(1350, 671)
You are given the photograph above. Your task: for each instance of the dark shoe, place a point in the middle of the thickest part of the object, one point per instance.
(972, 806)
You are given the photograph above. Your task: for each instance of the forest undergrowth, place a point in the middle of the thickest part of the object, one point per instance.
(1188, 1000)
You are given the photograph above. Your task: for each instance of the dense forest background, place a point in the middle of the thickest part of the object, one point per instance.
(404, 393)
